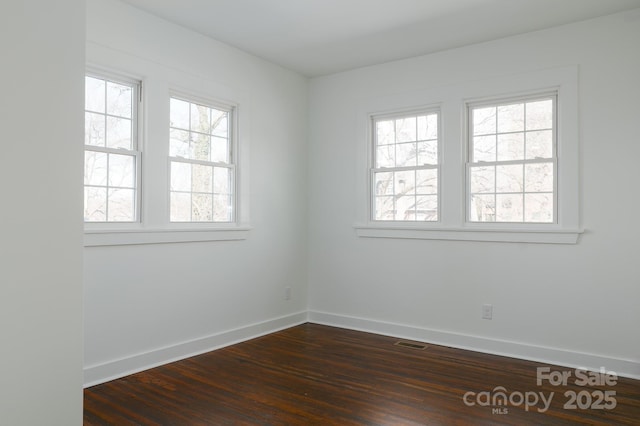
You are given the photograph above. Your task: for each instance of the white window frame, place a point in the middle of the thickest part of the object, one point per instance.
(158, 82)
(547, 95)
(136, 151)
(453, 100)
(373, 119)
(232, 111)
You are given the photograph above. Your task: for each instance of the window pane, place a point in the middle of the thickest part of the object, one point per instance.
(538, 177)
(200, 119)
(95, 204)
(384, 208)
(427, 181)
(94, 94)
(122, 171)
(483, 179)
(221, 180)
(180, 207)
(179, 114)
(538, 208)
(219, 150)
(509, 178)
(202, 207)
(406, 129)
(383, 183)
(406, 207)
(202, 178)
(483, 208)
(405, 182)
(427, 207)
(119, 99)
(428, 127)
(121, 205)
(385, 132)
(222, 208)
(179, 143)
(219, 123)
(484, 121)
(95, 168)
(385, 156)
(118, 133)
(428, 153)
(509, 208)
(511, 147)
(540, 115)
(511, 118)
(200, 146)
(484, 148)
(94, 129)
(180, 176)
(539, 144)
(406, 155)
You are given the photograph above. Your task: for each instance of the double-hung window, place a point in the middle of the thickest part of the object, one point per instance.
(404, 176)
(112, 157)
(201, 161)
(496, 160)
(512, 161)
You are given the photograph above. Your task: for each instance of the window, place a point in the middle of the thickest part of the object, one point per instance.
(406, 167)
(512, 161)
(503, 157)
(201, 161)
(112, 159)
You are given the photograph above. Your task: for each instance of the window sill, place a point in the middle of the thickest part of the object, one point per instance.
(555, 236)
(123, 237)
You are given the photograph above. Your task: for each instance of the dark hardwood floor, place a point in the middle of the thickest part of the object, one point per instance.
(313, 374)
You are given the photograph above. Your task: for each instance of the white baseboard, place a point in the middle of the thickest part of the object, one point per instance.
(622, 367)
(101, 373)
(96, 374)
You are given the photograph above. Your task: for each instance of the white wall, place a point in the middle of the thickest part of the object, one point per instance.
(572, 304)
(148, 304)
(42, 45)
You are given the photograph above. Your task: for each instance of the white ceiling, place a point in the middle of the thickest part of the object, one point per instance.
(317, 37)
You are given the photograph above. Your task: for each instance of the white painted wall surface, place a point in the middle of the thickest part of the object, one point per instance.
(42, 45)
(571, 300)
(148, 304)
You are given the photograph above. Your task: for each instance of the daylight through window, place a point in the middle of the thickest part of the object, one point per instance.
(111, 157)
(406, 167)
(202, 170)
(512, 168)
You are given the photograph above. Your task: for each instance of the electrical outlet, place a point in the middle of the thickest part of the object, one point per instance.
(287, 293)
(487, 311)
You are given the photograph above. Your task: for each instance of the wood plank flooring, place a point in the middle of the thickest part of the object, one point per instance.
(319, 375)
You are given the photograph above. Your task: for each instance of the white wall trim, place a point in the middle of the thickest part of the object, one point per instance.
(622, 367)
(471, 234)
(123, 237)
(101, 373)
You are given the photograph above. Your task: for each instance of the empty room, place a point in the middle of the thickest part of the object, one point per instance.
(356, 212)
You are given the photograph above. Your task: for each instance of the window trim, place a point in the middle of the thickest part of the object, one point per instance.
(234, 158)
(123, 237)
(137, 150)
(452, 100)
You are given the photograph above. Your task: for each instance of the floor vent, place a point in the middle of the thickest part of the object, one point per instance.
(411, 345)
